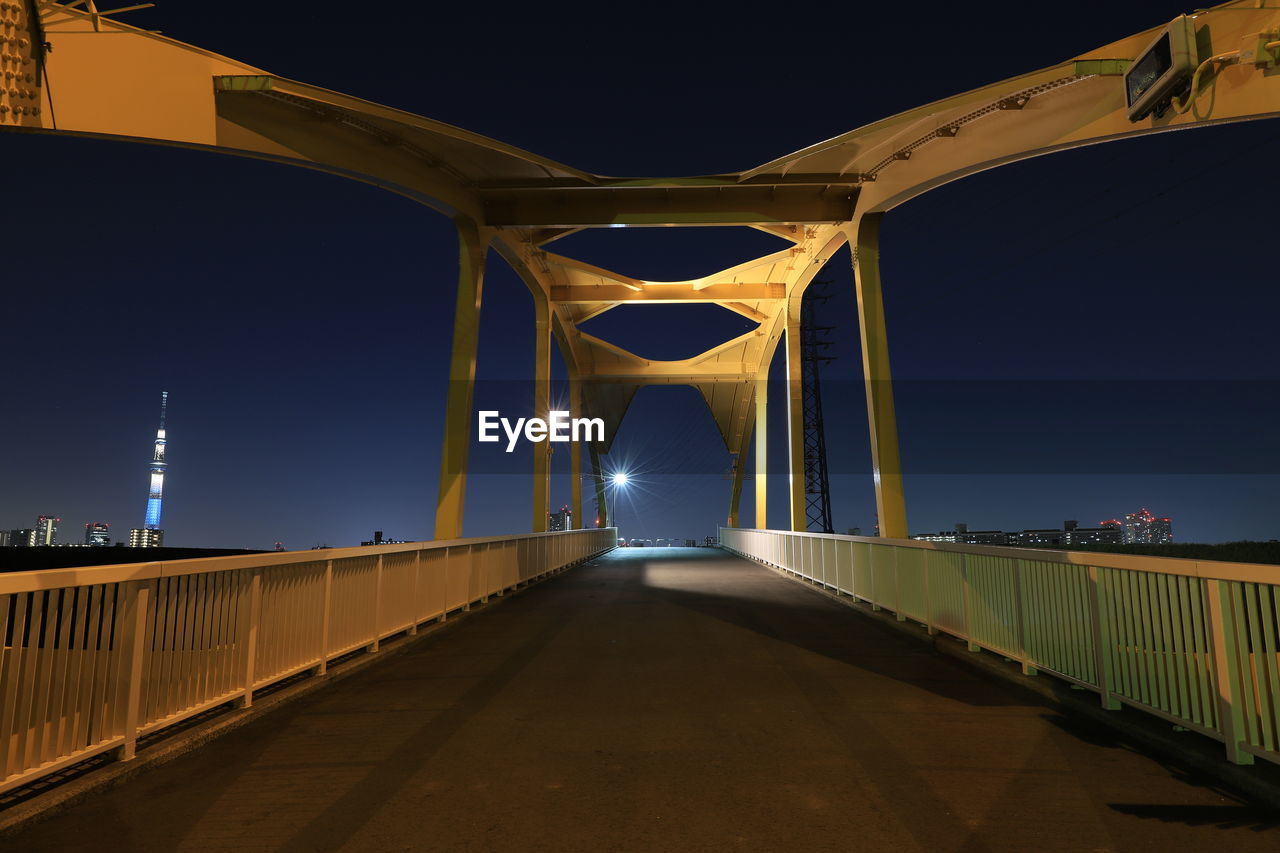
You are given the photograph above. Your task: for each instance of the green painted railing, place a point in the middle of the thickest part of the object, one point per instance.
(1194, 642)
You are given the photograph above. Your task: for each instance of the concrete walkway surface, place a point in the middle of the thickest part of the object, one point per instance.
(664, 700)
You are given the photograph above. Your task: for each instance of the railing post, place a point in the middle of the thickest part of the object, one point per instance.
(931, 628)
(133, 620)
(968, 604)
(897, 586)
(1020, 619)
(1101, 641)
(471, 568)
(248, 638)
(853, 569)
(871, 573)
(377, 607)
(325, 618)
(1226, 669)
(499, 589)
(444, 585)
(417, 585)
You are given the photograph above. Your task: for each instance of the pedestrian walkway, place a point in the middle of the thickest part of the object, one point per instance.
(664, 700)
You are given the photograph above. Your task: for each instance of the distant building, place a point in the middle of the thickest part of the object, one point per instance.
(46, 532)
(1038, 537)
(379, 540)
(144, 537)
(943, 536)
(97, 534)
(562, 520)
(1106, 533)
(1143, 528)
(964, 536)
(1109, 532)
(22, 537)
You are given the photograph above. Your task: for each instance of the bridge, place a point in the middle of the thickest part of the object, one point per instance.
(97, 661)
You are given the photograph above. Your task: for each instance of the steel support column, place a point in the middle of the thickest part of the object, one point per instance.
(542, 409)
(597, 475)
(795, 417)
(762, 454)
(739, 474)
(473, 245)
(575, 451)
(886, 465)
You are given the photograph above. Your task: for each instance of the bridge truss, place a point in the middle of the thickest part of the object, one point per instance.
(69, 68)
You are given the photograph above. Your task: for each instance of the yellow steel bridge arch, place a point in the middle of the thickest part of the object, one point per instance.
(68, 67)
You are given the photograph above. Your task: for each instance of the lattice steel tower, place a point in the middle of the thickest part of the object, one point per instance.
(813, 346)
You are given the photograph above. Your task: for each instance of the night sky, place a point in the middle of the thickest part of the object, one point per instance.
(1076, 336)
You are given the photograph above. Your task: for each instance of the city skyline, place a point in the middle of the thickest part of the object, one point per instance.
(1137, 528)
(313, 380)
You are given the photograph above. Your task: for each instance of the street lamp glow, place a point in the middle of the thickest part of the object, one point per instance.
(620, 479)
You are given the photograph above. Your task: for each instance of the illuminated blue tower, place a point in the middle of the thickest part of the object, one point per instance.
(157, 470)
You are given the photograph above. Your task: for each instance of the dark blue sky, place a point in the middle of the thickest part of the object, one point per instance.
(1081, 334)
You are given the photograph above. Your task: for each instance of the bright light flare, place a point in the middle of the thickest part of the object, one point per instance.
(620, 479)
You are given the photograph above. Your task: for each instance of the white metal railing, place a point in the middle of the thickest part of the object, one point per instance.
(94, 658)
(1194, 642)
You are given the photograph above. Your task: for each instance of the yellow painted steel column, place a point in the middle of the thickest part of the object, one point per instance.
(762, 454)
(602, 510)
(575, 450)
(739, 474)
(735, 493)
(473, 245)
(886, 465)
(542, 409)
(795, 417)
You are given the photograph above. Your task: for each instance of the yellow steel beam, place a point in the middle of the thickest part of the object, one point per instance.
(105, 78)
(762, 452)
(795, 418)
(595, 207)
(541, 408)
(743, 419)
(735, 489)
(597, 475)
(675, 292)
(886, 465)
(575, 453)
(1075, 103)
(473, 245)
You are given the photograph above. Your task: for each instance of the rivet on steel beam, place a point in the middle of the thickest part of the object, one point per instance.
(948, 130)
(902, 155)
